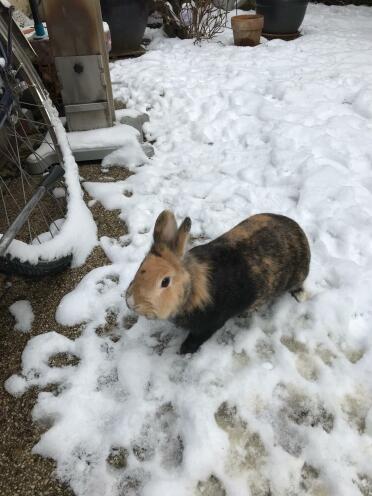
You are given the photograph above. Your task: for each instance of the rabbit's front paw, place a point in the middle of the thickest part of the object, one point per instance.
(190, 345)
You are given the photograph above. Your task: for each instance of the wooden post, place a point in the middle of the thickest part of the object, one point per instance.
(78, 44)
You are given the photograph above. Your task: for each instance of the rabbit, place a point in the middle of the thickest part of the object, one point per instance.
(259, 259)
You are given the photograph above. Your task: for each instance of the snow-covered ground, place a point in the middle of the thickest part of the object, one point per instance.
(280, 403)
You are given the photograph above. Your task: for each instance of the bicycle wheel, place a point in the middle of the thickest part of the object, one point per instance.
(32, 207)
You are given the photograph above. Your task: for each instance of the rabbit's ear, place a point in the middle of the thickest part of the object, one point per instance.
(165, 230)
(182, 237)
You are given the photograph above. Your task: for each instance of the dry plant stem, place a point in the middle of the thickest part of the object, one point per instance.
(206, 21)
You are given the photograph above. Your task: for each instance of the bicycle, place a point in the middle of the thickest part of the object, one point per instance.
(33, 206)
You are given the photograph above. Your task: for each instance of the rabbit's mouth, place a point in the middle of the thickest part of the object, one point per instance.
(150, 316)
(140, 309)
(147, 312)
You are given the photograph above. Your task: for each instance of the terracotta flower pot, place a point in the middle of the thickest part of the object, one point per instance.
(247, 29)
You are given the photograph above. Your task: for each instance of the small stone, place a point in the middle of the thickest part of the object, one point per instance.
(225, 416)
(354, 355)
(308, 475)
(211, 487)
(148, 150)
(143, 452)
(118, 457)
(129, 321)
(293, 344)
(365, 484)
(119, 104)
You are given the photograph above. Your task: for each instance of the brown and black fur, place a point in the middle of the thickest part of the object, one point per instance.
(259, 259)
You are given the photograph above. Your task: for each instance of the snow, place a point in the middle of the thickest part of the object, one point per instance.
(59, 192)
(23, 314)
(130, 155)
(113, 136)
(279, 402)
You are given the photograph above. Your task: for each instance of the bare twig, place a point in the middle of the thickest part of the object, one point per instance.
(198, 19)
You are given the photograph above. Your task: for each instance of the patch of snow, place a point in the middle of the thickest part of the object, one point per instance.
(36, 368)
(130, 155)
(279, 402)
(16, 385)
(117, 135)
(23, 314)
(59, 192)
(97, 292)
(54, 229)
(127, 112)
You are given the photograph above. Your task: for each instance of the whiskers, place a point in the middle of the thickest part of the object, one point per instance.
(146, 309)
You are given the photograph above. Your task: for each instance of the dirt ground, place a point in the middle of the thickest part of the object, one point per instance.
(23, 473)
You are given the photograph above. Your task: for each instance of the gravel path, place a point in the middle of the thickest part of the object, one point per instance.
(21, 472)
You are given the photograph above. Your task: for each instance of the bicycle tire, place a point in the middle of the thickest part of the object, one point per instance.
(14, 266)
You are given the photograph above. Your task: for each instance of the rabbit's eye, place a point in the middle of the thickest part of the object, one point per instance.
(165, 282)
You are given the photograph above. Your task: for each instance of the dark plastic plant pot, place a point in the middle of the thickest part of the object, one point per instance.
(127, 20)
(282, 16)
